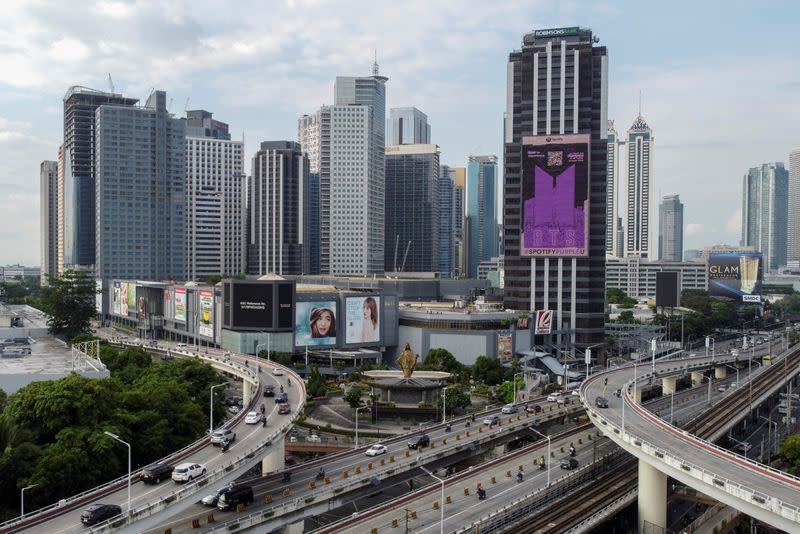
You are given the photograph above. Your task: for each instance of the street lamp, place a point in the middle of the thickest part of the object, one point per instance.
(357, 409)
(116, 437)
(769, 432)
(548, 452)
(22, 500)
(514, 379)
(267, 344)
(211, 409)
(444, 404)
(441, 506)
(735, 369)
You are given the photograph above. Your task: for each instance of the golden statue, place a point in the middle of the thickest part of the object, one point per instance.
(407, 361)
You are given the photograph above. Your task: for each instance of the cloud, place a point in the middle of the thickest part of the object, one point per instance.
(694, 228)
(734, 223)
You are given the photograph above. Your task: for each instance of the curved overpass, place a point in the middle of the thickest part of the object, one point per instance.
(663, 449)
(151, 505)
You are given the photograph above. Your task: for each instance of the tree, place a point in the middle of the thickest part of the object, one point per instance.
(353, 397)
(790, 452)
(441, 360)
(457, 398)
(697, 300)
(626, 317)
(615, 295)
(69, 302)
(488, 370)
(317, 385)
(506, 390)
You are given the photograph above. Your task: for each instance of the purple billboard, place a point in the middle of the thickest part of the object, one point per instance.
(555, 195)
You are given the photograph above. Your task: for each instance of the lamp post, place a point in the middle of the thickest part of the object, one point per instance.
(22, 500)
(444, 404)
(117, 438)
(548, 452)
(514, 378)
(769, 432)
(441, 505)
(211, 409)
(735, 369)
(357, 409)
(653, 350)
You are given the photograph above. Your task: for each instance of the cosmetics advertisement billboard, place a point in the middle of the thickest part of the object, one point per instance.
(315, 323)
(180, 304)
(362, 315)
(205, 326)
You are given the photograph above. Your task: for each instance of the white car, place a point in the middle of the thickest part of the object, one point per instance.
(181, 345)
(377, 449)
(509, 408)
(187, 471)
(553, 397)
(314, 438)
(253, 418)
(277, 371)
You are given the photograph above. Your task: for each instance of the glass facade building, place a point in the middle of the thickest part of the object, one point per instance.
(481, 212)
(765, 212)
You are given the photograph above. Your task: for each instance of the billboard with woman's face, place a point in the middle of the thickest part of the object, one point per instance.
(363, 320)
(315, 323)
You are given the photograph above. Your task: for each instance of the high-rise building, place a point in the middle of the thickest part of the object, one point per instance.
(48, 209)
(314, 134)
(411, 242)
(612, 179)
(278, 214)
(480, 217)
(60, 212)
(638, 190)
(793, 248)
(141, 188)
(459, 185)
(447, 178)
(313, 208)
(80, 166)
(670, 229)
(765, 212)
(557, 84)
(408, 126)
(216, 199)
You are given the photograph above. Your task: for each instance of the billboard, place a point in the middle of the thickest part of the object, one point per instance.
(667, 289)
(123, 298)
(544, 322)
(131, 300)
(98, 297)
(115, 298)
(258, 305)
(315, 323)
(505, 350)
(205, 326)
(555, 195)
(180, 304)
(141, 308)
(168, 304)
(252, 305)
(736, 276)
(363, 319)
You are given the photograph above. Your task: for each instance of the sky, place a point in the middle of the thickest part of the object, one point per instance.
(719, 80)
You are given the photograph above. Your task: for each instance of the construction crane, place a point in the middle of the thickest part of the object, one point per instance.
(186, 105)
(403, 266)
(110, 84)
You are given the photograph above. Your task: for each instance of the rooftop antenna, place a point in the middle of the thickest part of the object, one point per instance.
(640, 102)
(375, 62)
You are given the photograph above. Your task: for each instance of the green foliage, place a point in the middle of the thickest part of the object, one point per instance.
(457, 398)
(790, 453)
(505, 393)
(69, 302)
(788, 305)
(3, 400)
(317, 385)
(697, 300)
(793, 337)
(353, 397)
(488, 370)
(440, 360)
(283, 358)
(126, 365)
(211, 280)
(626, 317)
(615, 295)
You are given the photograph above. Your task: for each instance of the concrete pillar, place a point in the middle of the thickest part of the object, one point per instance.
(652, 501)
(720, 372)
(668, 385)
(247, 392)
(498, 451)
(697, 378)
(294, 528)
(637, 394)
(273, 460)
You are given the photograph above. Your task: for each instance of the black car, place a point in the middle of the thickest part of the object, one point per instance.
(99, 512)
(569, 463)
(420, 441)
(269, 391)
(231, 497)
(281, 398)
(601, 402)
(153, 474)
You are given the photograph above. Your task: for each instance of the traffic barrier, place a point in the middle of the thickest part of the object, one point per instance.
(448, 500)
(344, 473)
(287, 492)
(267, 499)
(394, 523)
(239, 507)
(494, 480)
(435, 505)
(466, 491)
(312, 484)
(210, 518)
(195, 523)
(358, 469)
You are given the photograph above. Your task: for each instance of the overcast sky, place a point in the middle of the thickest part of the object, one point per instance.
(720, 80)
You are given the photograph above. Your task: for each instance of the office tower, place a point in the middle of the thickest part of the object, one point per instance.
(312, 243)
(216, 199)
(638, 189)
(411, 242)
(60, 212)
(80, 166)
(612, 179)
(793, 248)
(670, 229)
(765, 212)
(408, 126)
(314, 134)
(459, 184)
(141, 190)
(48, 210)
(278, 214)
(480, 217)
(619, 250)
(447, 178)
(557, 85)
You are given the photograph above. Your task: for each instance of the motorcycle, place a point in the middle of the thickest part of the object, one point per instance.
(481, 494)
(447, 428)
(321, 474)
(519, 476)
(226, 445)
(287, 476)
(572, 451)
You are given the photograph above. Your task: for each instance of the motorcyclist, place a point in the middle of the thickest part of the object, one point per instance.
(321, 473)
(541, 462)
(262, 408)
(287, 476)
(571, 449)
(519, 475)
(481, 493)
(226, 445)
(281, 389)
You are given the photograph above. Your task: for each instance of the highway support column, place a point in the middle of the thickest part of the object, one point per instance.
(652, 501)
(668, 385)
(697, 378)
(294, 528)
(247, 392)
(273, 461)
(719, 372)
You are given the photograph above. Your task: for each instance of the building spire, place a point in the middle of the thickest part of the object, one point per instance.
(375, 63)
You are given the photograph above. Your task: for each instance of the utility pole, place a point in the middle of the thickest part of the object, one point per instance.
(407, 512)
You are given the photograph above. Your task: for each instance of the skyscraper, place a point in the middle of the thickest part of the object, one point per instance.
(408, 126)
(638, 189)
(612, 179)
(411, 243)
(80, 165)
(278, 214)
(670, 229)
(459, 184)
(557, 85)
(141, 188)
(447, 178)
(793, 248)
(48, 202)
(216, 199)
(765, 212)
(314, 134)
(481, 212)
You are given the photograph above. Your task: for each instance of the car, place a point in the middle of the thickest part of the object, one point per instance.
(314, 438)
(277, 371)
(187, 472)
(181, 345)
(618, 393)
(281, 398)
(253, 418)
(153, 474)
(289, 459)
(722, 388)
(269, 391)
(211, 500)
(377, 449)
(564, 399)
(569, 463)
(99, 512)
(219, 436)
(509, 408)
(533, 409)
(292, 439)
(742, 447)
(284, 409)
(553, 397)
(576, 392)
(231, 497)
(233, 410)
(420, 441)
(491, 420)
(601, 402)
